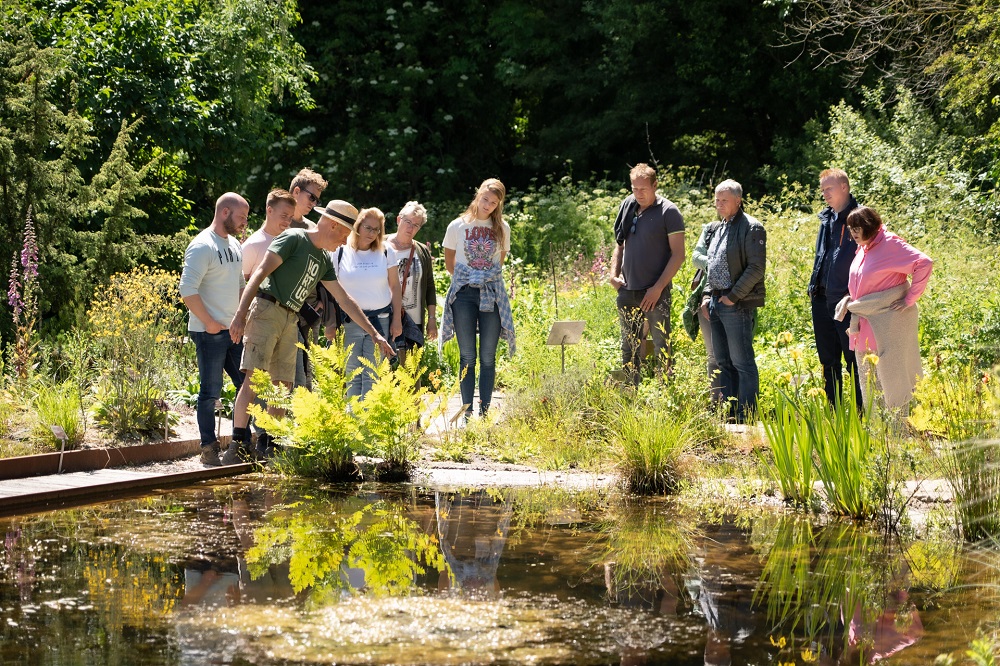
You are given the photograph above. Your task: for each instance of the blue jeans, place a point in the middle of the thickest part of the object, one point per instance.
(363, 347)
(468, 319)
(732, 340)
(216, 353)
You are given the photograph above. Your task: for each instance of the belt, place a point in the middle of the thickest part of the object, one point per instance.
(268, 297)
(720, 292)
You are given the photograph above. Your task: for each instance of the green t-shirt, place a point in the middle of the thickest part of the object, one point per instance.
(302, 266)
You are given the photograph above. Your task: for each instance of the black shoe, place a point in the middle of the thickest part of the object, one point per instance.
(234, 454)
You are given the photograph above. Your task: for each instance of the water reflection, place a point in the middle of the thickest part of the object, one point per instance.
(246, 573)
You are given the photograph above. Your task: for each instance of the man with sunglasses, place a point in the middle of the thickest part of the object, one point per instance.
(649, 249)
(306, 188)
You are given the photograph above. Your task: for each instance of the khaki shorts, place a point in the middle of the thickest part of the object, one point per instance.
(269, 341)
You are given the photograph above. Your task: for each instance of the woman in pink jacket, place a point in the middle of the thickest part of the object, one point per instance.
(887, 278)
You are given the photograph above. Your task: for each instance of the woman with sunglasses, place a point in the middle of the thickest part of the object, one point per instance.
(475, 246)
(887, 278)
(365, 272)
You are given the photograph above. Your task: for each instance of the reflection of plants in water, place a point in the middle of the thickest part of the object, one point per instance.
(130, 589)
(323, 542)
(813, 578)
(645, 548)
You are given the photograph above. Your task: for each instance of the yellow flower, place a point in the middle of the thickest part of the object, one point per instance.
(871, 358)
(786, 377)
(785, 337)
(809, 656)
(780, 643)
(815, 392)
(796, 354)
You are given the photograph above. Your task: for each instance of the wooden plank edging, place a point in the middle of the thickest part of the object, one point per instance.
(87, 460)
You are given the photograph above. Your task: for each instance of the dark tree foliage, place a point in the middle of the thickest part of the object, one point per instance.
(606, 84)
(408, 104)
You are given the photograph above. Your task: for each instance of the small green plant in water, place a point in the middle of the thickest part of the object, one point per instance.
(648, 441)
(320, 436)
(790, 442)
(390, 414)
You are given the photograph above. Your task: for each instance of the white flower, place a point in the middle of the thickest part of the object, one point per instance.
(399, 45)
(448, 117)
(409, 130)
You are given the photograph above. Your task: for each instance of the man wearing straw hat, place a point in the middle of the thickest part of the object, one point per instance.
(267, 317)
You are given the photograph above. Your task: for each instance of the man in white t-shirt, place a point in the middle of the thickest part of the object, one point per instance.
(280, 209)
(211, 285)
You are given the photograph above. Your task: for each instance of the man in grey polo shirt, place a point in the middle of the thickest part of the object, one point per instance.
(211, 285)
(649, 250)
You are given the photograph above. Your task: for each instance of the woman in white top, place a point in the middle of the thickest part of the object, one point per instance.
(475, 246)
(365, 273)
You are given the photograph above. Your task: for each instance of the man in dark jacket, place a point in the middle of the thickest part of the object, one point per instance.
(835, 250)
(737, 255)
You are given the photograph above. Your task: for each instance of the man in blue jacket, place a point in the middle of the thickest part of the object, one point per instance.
(835, 250)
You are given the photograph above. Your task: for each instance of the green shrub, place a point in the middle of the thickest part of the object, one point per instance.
(390, 414)
(134, 322)
(324, 429)
(320, 435)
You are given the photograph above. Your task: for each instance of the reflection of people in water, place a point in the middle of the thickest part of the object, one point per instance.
(472, 528)
(225, 580)
(723, 589)
(872, 640)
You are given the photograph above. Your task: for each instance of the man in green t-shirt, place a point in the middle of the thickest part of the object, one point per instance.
(267, 317)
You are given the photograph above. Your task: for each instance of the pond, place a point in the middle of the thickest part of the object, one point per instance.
(242, 573)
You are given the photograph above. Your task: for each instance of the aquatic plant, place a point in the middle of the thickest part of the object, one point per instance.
(320, 435)
(972, 469)
(647, 441)
(790, 442)
(390, 414)
(324, 428)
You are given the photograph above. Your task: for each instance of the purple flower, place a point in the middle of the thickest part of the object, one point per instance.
(14, 291)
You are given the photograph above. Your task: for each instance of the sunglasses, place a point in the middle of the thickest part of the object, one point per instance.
(312, 197)
(635, 221)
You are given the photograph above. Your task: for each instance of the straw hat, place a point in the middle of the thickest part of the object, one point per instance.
(340, 211)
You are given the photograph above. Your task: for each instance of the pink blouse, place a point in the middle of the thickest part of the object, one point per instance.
(884, 263)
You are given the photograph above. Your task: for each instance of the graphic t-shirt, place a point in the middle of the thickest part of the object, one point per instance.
(412, 295)
(363, 275)
(213, 269)
(474, 243)
(303, 265)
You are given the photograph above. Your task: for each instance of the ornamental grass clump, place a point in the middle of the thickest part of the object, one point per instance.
(648, 442)
(58, 406)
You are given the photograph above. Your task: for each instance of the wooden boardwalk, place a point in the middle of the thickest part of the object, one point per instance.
(41, 493)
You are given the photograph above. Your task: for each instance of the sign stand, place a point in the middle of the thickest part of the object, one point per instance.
(565, 333)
